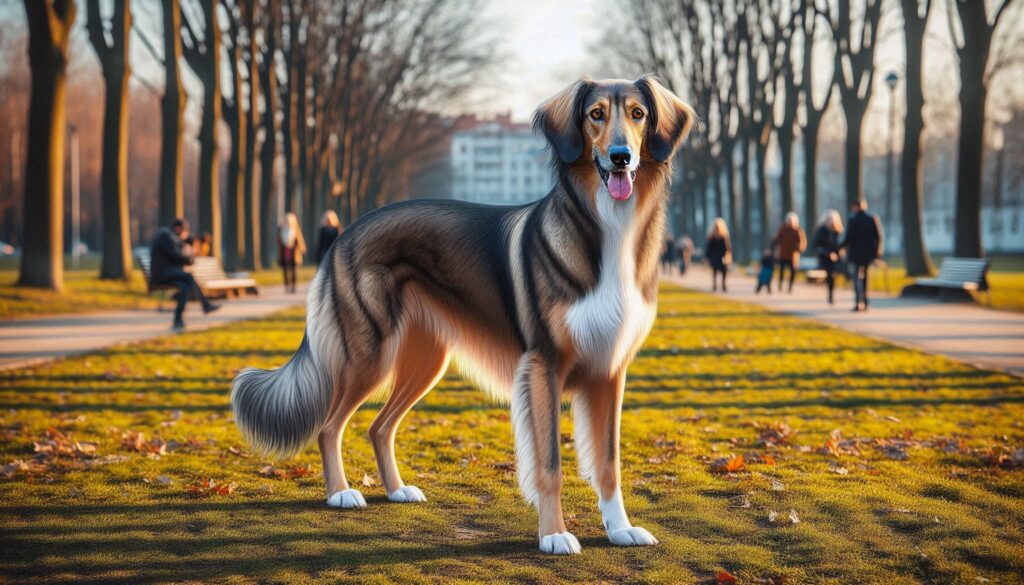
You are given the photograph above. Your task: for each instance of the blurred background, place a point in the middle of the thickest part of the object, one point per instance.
(117, 116)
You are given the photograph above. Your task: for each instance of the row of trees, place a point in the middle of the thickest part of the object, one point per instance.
(328, 106)
(750, 69)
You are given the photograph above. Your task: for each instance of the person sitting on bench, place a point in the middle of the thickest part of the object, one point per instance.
(170, 254)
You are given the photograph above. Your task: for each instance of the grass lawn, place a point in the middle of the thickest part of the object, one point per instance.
(86, 292)
(900, 467)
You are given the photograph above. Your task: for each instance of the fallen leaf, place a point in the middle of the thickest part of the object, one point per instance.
(772, 516)
(838, 469)
(368, 481)
(728, 464)
(891, 418)
(777, 486)
(205, 488)
(740, 501)
(725, 578)
(793, 517)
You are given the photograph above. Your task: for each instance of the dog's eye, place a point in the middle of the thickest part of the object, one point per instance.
(597, 115)
(638, 114)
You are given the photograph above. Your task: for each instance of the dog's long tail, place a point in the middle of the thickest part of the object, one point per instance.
(279, 411)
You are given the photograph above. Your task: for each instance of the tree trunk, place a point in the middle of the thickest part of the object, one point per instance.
(854, 122)
(116, 263)
(251, 257)
(234, 216)
(742, 251)
(268, 151)
(811, 171)
(761, 149)
(172, 203)
(42, 259)
(785, 142)
(970, 162)
(209, 161)
(915, 253)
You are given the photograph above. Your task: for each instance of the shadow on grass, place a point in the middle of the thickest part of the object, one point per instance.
(183, 551)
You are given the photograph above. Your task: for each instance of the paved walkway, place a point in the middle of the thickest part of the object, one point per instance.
(969, 333)
(30, 341)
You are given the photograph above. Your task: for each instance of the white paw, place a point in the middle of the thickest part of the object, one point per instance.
(347, 499)
(407, 493)
(632, 536)
(560, 543)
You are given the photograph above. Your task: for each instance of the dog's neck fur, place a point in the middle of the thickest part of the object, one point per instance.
(579, 181)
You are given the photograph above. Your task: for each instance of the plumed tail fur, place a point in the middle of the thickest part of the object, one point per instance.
(280, 411)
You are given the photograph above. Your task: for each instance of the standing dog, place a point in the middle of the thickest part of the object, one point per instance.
(535, 302)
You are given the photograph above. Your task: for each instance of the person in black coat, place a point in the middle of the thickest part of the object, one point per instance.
(718, 253)
(826, 244)
(330, 229)
(169, 255)
(863, 243)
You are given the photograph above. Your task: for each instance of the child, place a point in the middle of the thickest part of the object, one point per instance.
(764, 277)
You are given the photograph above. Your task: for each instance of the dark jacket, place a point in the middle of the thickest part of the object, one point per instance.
(826, 242)
(326, 237)
(716, 250)
(168, 261)
(863, 240)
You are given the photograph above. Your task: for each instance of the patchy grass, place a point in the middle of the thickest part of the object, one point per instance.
(901, 467)
(85, 292)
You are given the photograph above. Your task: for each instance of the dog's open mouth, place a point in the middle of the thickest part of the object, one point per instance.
(619, 183)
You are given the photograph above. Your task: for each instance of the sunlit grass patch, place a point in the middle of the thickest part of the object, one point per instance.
(901, 467)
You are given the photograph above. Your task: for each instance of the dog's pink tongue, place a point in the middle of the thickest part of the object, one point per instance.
(620, 186)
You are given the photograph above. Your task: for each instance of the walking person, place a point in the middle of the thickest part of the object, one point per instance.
(170, 255)
(330, 229)
(826, 244)
(667, 255)
(291, 246)
(685, 248)
(863, 243)
(764, 276)
(718, 252)
(790, 241)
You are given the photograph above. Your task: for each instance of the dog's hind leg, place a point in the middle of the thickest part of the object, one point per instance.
(421, 361)
(597, 415)
(358, 386)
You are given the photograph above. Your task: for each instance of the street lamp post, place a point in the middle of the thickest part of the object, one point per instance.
(891, 79)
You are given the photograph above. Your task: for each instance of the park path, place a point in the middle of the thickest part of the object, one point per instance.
(25, 342)
(966, 332)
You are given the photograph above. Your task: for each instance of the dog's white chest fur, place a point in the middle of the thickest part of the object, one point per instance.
(613, 318)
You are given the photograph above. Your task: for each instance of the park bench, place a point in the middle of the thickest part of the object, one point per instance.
(209, 274)
(957, 279)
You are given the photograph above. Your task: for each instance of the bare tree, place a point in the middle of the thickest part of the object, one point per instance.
(113, 57)
(203, 55)
(973, 41)
(855, 71)
(812, 114)
(789, 86)
(42, 260)
(234, 113)
(268, 150)
(251, 257)
(172, 203)
(915, 19)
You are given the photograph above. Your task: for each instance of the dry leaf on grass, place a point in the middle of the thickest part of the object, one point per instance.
(285, 473)
(728, 464)
(368, 481)
(205, 488)
(724, 578)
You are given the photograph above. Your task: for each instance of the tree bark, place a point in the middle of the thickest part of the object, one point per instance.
(209, 161)
(810, 144)
(116, 263)
(854, 125)
(234, 212)
(172, 203)
(251, 256)
(42, 259)
(268, 151)
(742, 251)
(915, 253)
(970, 162)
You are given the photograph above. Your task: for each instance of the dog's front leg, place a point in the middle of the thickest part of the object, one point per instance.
(535, 409)
(597, 415)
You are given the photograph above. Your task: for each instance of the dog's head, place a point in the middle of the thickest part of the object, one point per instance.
(615, 127)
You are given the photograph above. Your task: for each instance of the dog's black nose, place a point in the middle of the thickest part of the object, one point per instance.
(620, 155)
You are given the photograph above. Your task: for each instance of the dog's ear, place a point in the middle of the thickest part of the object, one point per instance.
(670, 119)
(559, 120)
